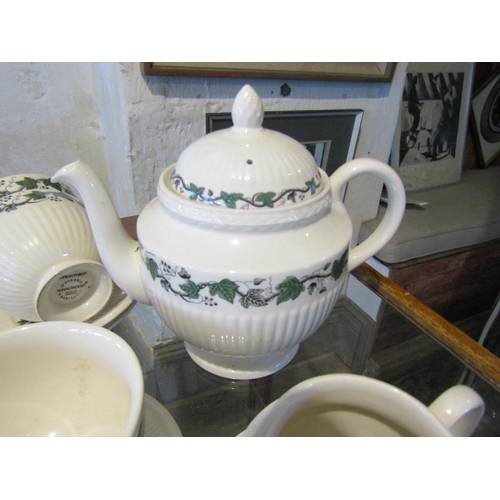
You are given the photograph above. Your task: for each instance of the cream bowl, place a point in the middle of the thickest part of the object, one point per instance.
(68, 379)
(50, 268)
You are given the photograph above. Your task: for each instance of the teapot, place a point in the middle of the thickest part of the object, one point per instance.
(247, 246)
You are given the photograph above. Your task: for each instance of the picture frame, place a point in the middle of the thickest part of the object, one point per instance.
(485, 120)
(432, 128)
(329, 135)
(340, 71)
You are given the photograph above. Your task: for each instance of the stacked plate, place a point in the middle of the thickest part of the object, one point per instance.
(117, 307)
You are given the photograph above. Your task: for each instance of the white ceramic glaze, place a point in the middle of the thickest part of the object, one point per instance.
(242, 287)
(68, 379)
(347, 405)
(275, 168)
(115, 309)
(49, 265)
(157, 420)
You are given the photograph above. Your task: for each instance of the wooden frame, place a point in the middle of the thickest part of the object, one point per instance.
(432, 130)
(341, 71)
(474, 356)
(316, 130)
(485, 120)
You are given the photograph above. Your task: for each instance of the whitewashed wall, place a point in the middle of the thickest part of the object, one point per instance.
(50, 115)
(130, 127)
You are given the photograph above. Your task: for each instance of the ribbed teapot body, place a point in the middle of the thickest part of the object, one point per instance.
(243, 284)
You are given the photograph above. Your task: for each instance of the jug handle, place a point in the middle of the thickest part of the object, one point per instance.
(459, 409)
(395, 207)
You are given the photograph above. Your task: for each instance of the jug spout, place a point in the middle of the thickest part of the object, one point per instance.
(118, 251)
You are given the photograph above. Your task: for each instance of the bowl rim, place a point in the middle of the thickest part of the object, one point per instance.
(61, 329)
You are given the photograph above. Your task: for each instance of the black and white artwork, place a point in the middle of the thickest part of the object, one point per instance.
(430, 140)
(486, 120)
(432, 111)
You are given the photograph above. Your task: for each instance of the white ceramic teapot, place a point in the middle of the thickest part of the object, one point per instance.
(247, 246)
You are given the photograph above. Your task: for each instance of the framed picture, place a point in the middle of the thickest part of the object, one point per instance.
(343, 71)
(432, 128)
(486, 120)
(330, 135)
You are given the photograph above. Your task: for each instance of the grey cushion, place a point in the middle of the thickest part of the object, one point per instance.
(457, 216)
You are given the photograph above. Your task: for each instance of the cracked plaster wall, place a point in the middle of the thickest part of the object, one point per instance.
(49, 117)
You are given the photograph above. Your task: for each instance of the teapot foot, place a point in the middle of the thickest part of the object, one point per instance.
(241, 367)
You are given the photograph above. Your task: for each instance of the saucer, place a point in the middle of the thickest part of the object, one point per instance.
(116, 308)
(157, 420)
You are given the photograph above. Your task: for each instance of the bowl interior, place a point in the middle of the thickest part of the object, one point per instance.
(68, 379)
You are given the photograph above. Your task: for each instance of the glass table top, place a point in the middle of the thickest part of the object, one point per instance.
(205, 405)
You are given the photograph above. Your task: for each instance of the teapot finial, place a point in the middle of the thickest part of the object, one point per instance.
(247, 111)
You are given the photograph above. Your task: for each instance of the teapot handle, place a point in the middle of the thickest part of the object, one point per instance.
(395, 208)
(459, 409)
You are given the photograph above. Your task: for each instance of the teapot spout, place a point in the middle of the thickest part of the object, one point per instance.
(118, 251)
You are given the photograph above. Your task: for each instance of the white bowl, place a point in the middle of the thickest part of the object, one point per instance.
(50, 268)
(63, 378)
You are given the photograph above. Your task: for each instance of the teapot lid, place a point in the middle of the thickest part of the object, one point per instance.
(246, 166)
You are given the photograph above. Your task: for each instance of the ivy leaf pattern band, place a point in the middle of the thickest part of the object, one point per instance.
(258, 292)
(268, 199)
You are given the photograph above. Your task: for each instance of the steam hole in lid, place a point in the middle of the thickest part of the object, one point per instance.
(250, 162)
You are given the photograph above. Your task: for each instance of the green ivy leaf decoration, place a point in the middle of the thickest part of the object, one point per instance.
(27, 183)
(289, 289)
(191, 289)
(54, 185)
(36, 195)
(152, 267)
(311, 185)
(338, 265)
(195, 191)
(230, 199)
(266, 199)
(226, 290)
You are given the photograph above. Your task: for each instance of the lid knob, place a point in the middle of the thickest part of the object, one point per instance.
(247, 111)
